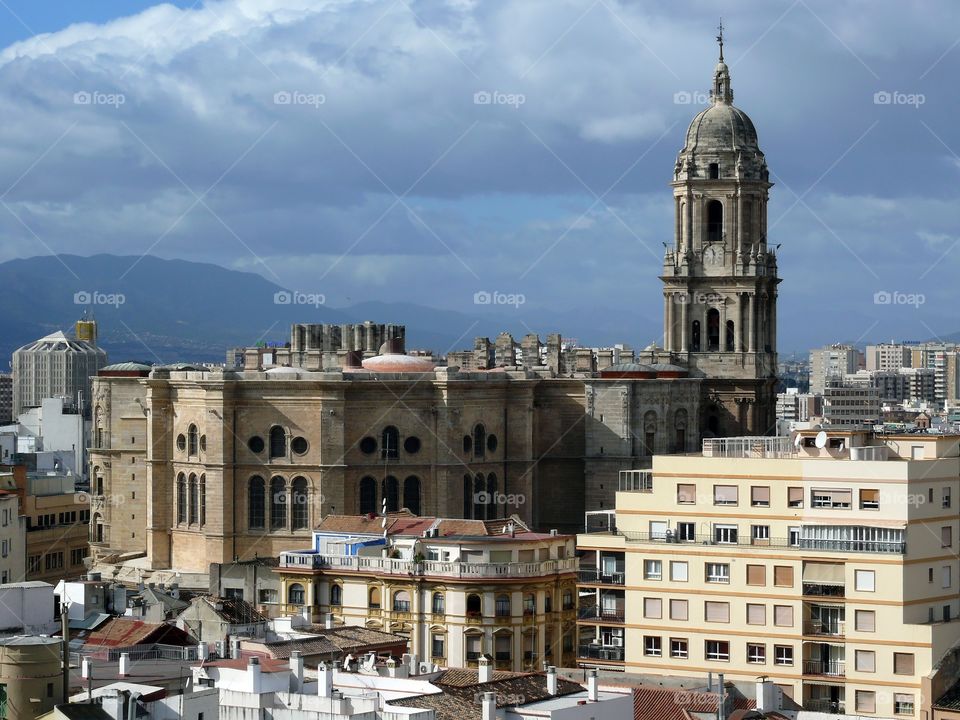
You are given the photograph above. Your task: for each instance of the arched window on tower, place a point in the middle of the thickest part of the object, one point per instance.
(256, 502)
(467, 497)
(390, 442)
(680, 430)
(492, 496)
(714, 171)
(731, 335)
(368, 496)
(181, 498)
(192, 440)
(391, 493)
(714, 221)
(713, 330)
(278, 442)
(479, 496)
(203, 499)
(649, 432)
(479, 440)
(278, 503)
(298, 504)
(411, 494)
(194, 500)
(695, 337)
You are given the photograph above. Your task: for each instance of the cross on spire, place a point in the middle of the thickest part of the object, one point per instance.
(720, 39)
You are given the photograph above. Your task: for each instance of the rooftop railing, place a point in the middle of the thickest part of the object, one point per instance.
(395, 566)
(744, 540)
(759, 446)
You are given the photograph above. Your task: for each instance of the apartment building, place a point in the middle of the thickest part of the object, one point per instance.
(826, 562)
(457, 589)
(832, 362)
(888, 356)
(847, 406)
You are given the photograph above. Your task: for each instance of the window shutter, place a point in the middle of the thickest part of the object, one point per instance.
(783, 576)
(795, 495)
(652, 607)
(718, 612)
(903, 663)
(756, 614)
(756, 575)
(866, 661)
(783, 615)
(866, 701)
(946, 536)
(760, 495)
(686, 493)
(678, 610)
(726, 494)
(866, 620)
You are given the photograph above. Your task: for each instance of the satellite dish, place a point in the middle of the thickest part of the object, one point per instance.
(821, 441)
(797, 440)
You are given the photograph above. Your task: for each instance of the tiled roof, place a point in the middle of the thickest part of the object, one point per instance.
(459, 702)
(950, 700)
(170, 604)
(657, 703)
(124, 632)
(281, 649)
(335, 641)
(267, 665)
(465, 677)
(234, 611)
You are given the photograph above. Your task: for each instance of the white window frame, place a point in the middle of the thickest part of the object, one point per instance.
(649, 573)
(717, 573)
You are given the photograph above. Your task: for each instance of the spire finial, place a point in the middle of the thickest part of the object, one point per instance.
(720, 39)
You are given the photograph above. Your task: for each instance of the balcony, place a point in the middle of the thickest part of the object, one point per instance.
(825, 629)
(598, 577)
(831, 668)
(600, 652)
(636, 481)
(823, 590)
(309, 561)
(837, 707)
(743, 540)
(601, 614)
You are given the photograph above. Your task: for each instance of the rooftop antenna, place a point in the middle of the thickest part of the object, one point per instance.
(720, 38)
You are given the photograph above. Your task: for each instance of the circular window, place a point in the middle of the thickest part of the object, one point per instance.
(368, 445)
(255, 444)
(299, 445)
(203, 443)
(181, 442)
(492, 443)
(467, 443)
(412, 445)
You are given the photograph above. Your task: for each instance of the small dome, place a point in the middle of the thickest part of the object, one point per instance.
(127, 367)
(397, 363)
(284, 370)
(719, 128)
(628, 367)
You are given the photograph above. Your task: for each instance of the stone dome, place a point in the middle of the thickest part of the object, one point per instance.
(398, 363)
(719, 128)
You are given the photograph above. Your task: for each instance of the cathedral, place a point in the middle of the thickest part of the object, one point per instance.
(193, 465)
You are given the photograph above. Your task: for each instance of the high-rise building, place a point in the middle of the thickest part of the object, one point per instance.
(888, 356)
(6, 397)
(56, 366)
(826, 563)
(832, 362)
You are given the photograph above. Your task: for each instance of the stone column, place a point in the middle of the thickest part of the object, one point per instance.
(773, 322)
(752, 322)
(685, 323)
(722, 341)
(677, 224)
(739, 245)
(666, 321)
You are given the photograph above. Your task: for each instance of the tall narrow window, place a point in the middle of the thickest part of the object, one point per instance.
(390, 442)
(257, 502)
(192, 440)
(181, 498)
(467, 497)
(714, 221)
(492, 495)
(391, 493)
(411, 494)
(194, 499)
(203, 499)
(278, 503)
(714, 171)
(713, 330)
(730, 342)
(368, 496)
(278, 442)
(479, 498)
(479, 440)
(298, 504)
(695, 337)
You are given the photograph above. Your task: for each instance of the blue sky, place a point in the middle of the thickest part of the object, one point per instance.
(337, 147)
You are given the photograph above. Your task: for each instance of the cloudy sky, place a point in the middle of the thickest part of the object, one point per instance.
(345, 147)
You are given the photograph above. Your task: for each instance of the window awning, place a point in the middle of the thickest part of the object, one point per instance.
(823, 573)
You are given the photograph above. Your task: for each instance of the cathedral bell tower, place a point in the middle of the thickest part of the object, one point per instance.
(720, 275)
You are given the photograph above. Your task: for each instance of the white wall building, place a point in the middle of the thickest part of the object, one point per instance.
(28, 608)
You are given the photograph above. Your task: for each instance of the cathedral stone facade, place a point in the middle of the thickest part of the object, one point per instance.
(192, 465)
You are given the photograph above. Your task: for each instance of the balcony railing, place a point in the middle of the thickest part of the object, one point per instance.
(828, 629)
(392, 566)
(636, 481)
(598, 577)
(600, 652)
(749, 447)
(823, 590)
(826, 706)
(743, 540)
(832, 668)
(597, 613)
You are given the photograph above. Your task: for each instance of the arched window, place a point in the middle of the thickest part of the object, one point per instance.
(467, 497)
(467, 444)
(192, 440)
(401, 601)
(713, 330)
(295, 594)
(256, 515)
(680, 428)
(391, 493)
(98, 478)
(278, 503)
(474, 605)
(299, 510)
(203, 499)
(336, 595)
(695, 337)
(98, 528)
(437, 604)
(181, 498)
(479, 498)
(492, 496)
(501, 607)
(278, 442)
(714, 171)
(390, 442)
(374, 598)
(411, 494)
(731, 346)
(194, 507)
(714, 221)
(529, 604)
(368, 496)
(649, 432)
(479, 440)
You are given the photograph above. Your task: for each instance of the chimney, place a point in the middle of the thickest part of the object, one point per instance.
(253, 675)
(202, 651)
(235, 648)
(328, 621)
(593, 691)
(709, 682)
(324, 681)
(767, 700)
(414, 665)
(305, 613)
(296, 668)
(489, 706)
(391, 668)
(485, 669)
(124, 665)
(85, 669)
(721, 702)
(552, 680)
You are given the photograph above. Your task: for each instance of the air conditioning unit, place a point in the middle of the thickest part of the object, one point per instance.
(425, 668)
(616, 642)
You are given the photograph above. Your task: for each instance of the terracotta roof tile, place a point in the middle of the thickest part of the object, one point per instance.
(124, 632)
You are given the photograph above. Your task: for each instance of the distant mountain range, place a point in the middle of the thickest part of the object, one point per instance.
(179, 310)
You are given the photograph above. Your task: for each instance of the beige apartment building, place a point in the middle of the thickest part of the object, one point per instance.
(826, 561)
(456, 589)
